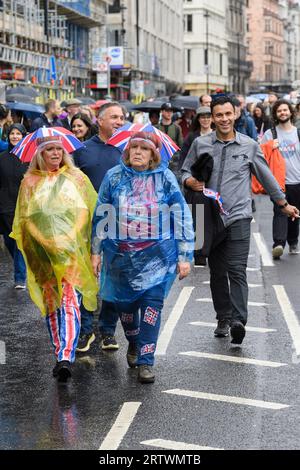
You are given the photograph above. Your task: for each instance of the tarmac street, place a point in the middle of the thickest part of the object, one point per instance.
(207, 394)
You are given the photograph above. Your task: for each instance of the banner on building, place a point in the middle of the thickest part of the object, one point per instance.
(99, 59)
(117, 57)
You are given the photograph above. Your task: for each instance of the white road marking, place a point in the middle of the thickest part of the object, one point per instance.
(248, 328)
(263, 249)
(120, 426)
(227, 399)
(240, 360)
(251, 304)
(289, 316)
(175, 445)
(253, 269)
(249, 285)
(166, 334)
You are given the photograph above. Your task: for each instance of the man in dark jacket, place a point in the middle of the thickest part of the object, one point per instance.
(72, 106)
(95, 159)
(49, 118)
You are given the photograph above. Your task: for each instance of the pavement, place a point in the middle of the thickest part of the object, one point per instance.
(207, 395)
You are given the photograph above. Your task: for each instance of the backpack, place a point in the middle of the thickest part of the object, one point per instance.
(275, 135)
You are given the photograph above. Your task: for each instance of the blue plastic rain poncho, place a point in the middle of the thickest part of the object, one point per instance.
(144, 227)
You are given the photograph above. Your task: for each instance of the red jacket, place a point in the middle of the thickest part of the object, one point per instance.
(276, 163)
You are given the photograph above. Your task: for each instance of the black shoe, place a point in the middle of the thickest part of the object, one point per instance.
(222, 329)
(109, 342)
(237, 331)
(62, 371)
(132, 355)
(84, 342)
(145, 374)
(199, 260)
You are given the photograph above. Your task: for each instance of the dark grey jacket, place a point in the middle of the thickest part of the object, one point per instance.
(234, 164)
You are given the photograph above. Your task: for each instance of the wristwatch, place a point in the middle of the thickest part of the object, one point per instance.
(282, 206)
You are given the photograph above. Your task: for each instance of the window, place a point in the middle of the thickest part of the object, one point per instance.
(188, 60)
(268, 25)
(188, 26)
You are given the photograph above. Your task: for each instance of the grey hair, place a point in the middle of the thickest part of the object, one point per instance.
(38, 163)
(108, 105)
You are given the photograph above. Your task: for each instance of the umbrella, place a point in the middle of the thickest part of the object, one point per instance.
(148, 106)
(30, 110)
(186, 102)
(26, 148)
(22, 90)
(18, 97)
(86, 100)
(98, 104)
(128, 105)
(121, 137)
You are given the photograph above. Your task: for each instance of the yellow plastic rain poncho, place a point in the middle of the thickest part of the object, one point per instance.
(52, 227)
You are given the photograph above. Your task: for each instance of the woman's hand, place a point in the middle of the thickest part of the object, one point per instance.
(96, 263)
(194, 184)
(183, 269)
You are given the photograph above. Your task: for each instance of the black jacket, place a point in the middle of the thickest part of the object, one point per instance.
(11, 175)
(65, 123)
(42, 121)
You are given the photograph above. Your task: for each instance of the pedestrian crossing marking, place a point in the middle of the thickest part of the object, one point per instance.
(239, 360)
(289, 316)
(120, 426)
(249, 285)
(253, 269)
(251, 304)
(263, 250)
(248, 328)
(227, 399)
(166, 334)
(165, 444)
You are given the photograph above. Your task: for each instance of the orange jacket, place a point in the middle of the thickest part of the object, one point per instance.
(276, 163)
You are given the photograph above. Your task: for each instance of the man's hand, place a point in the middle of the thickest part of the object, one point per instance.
(183, 269)
(291, 211)
(96, 263)
(194, 184)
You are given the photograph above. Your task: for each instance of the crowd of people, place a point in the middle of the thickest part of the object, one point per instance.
(138, 234)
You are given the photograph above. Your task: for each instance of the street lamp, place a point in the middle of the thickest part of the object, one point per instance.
(206, 16)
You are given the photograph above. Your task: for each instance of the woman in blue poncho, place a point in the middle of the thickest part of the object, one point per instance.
(144, 228)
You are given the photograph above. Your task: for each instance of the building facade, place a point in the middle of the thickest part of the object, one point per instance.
(290, 11)
(205, 46)
(47, 43)
(266, 44)
(151, 33)
(239, 68)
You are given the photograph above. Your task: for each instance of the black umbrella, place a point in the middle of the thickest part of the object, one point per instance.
(128, 105)
(19, 98)
(86, 100)
(186, 102)
(148, 106)
(22, 90)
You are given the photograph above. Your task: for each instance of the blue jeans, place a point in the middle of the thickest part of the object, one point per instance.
(19, 263)
(108, 319)
(141, 322)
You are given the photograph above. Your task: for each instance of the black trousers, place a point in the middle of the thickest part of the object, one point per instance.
(228, 275)
(284, 229)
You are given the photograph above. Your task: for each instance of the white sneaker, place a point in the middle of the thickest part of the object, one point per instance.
(294, 250)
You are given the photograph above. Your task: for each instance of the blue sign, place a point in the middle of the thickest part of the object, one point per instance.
(82, 7)
(53, 68)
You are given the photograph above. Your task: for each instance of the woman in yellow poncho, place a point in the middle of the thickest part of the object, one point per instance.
(52, 227)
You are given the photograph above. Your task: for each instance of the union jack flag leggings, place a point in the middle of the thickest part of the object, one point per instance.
(64, 324)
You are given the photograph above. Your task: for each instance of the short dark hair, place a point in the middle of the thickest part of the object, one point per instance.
(49, 104)
(4, 111)
(275, 108)
(221, 101)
